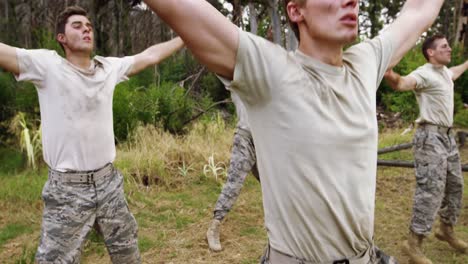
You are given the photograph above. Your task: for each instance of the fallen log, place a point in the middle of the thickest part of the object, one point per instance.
(405, 164)
(395, 148)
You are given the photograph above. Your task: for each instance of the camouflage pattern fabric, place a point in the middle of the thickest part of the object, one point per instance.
(72, 209)
(243, 160)
(439, 182)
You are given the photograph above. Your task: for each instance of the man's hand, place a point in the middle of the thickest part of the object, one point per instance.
(8, 59)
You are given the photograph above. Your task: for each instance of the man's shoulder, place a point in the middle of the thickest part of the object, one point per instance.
(42, 53)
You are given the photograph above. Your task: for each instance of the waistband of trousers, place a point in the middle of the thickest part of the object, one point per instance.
(436, 128)
(279, 257)
(88, 177)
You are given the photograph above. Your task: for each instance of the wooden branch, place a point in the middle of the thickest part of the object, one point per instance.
(205, 110)
(395, 148)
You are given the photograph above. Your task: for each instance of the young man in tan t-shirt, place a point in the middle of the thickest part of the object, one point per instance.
(439, 180)
(312, 117)
(75, 96)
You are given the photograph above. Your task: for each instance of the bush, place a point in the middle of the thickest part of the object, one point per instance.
(461, 118)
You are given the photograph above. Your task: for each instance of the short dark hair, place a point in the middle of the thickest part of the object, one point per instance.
(293, 25)
(429, 43)
(62, 18)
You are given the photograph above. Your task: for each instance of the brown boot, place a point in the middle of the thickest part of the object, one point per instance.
(446, 233)
(212, 235)
(412, 248)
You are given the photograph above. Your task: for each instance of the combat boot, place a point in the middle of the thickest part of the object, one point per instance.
(212, 235)
(446, 233)
(413, 248)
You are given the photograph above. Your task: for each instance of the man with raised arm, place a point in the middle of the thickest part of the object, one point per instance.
(75, 95)
(439, 180)
(243, 161)
(312, 116)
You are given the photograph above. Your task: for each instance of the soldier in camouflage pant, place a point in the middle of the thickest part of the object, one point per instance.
(243, 160)
(439, 182)
(72, 209)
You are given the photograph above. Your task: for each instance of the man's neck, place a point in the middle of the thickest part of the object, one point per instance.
(80, 60)
(323, 51)
(436, 64)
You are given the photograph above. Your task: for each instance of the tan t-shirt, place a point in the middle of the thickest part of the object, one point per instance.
(315, 133)
(76, 107)
(243, 119)
(434, 93)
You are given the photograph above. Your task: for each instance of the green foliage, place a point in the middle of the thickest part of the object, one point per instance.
(213, 87)
(10, 160)
(461, 118)
(124, 115)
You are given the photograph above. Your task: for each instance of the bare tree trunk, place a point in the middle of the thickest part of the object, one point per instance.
(253, 19)
(291, 40)
(461, 21)
(6, 10)
(275, 21)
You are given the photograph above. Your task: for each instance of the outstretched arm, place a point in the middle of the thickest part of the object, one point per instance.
(211, 37)
(155, 54)
(8, 60)
(457, 71)
(398, 82)
(415, 18)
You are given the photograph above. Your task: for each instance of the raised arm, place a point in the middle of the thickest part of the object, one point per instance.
(457, 71)
(415, 18)
(211, 37)
(398, 82)
(8, 60)
(155, 54)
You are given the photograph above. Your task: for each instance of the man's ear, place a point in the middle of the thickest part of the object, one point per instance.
(294, 12)
(61, 38)
(430, 52)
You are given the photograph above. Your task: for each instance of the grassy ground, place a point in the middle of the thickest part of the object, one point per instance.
(171, 188)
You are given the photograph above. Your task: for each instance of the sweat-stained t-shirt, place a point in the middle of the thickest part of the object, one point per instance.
(76, 107)
(434, 93)
(243, 119)
(315, 132)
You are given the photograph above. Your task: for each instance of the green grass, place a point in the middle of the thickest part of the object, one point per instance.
(10, 161)
(11, 231)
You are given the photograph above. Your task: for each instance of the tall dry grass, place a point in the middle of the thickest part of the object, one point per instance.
(153, 156)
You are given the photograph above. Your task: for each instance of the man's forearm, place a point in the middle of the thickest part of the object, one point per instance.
(160, 52)
(8, 59)
(210, 36)
(459, 70)
(415, 17)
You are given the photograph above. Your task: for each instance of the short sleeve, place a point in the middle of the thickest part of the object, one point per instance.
(33, 64)
(121, 66)
(373, 56)
(420, 78)
(259, 63)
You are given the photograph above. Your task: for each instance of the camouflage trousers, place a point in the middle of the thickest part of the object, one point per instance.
(71, 210)
(243, 160)
(375, 256)
(439, 181)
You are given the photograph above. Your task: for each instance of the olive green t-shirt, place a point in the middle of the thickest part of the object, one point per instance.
(315, 132)
(434, 93)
